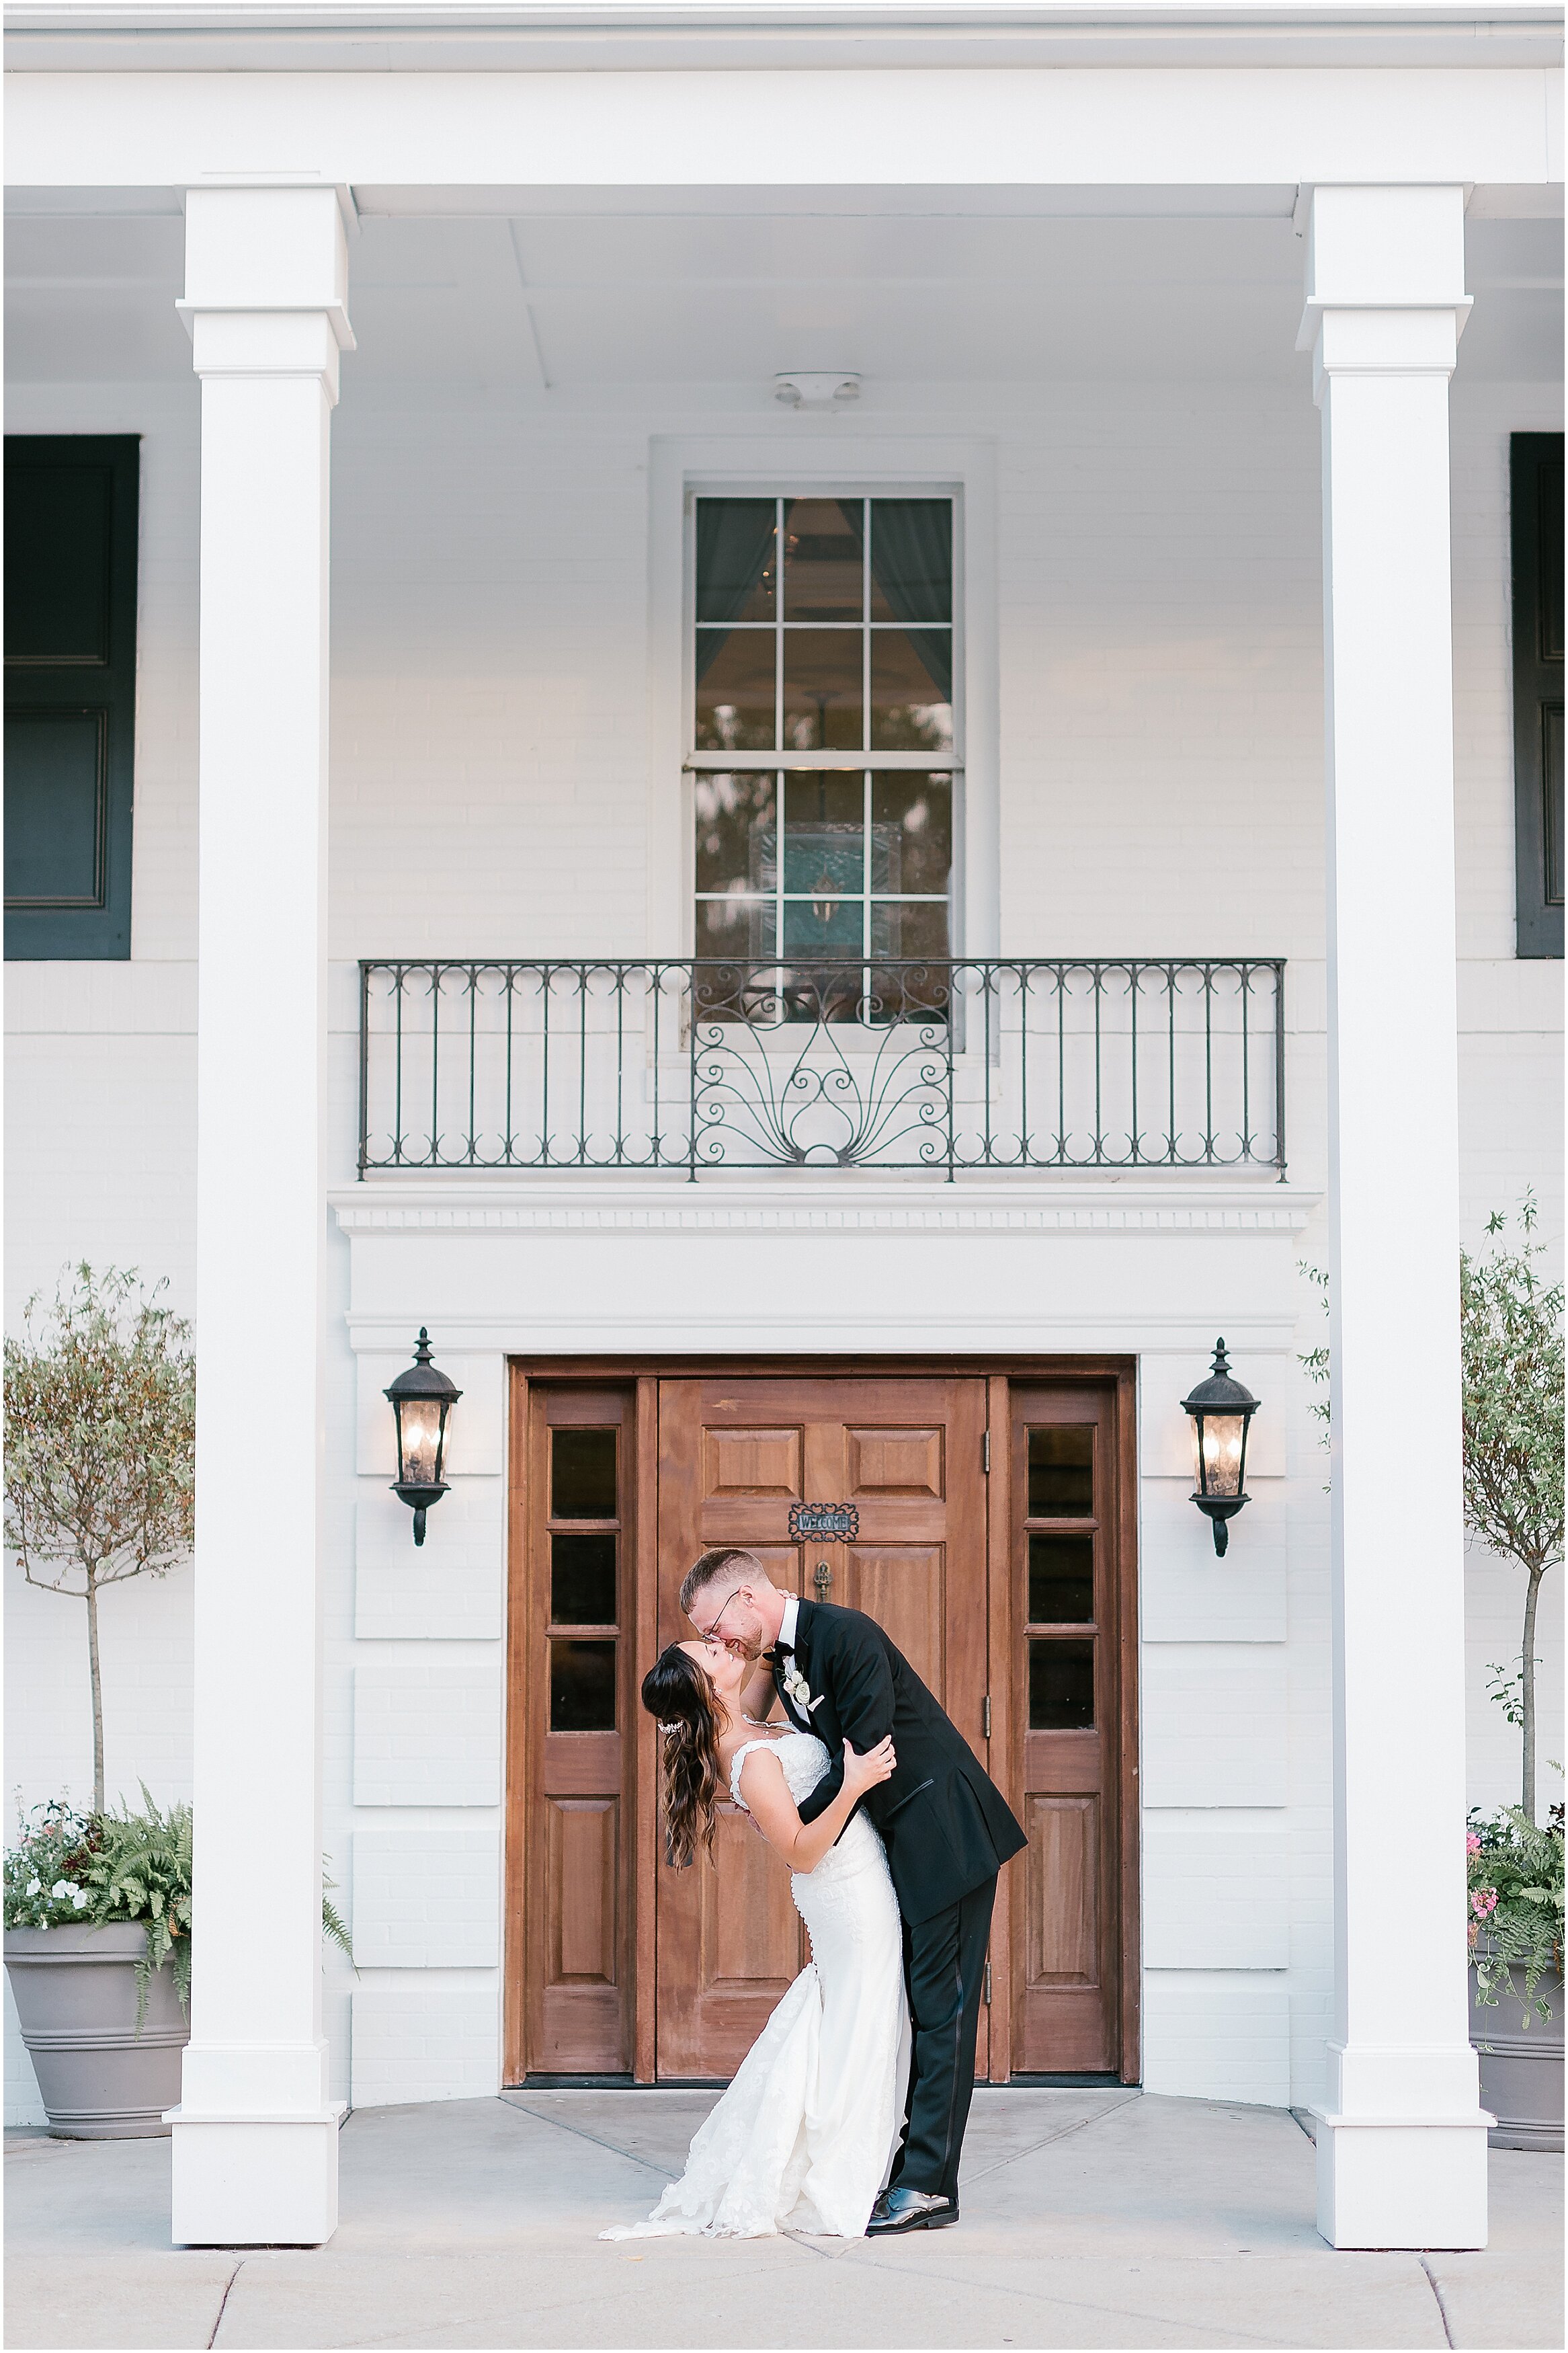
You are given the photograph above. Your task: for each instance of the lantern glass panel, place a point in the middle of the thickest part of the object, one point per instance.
(1224, 1444)
(419, 1421)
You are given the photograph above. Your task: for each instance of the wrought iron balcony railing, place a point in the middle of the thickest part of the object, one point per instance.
(977, 1062)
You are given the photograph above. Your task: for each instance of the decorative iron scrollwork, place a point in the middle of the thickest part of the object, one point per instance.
(834, 1522)
(942, 1065)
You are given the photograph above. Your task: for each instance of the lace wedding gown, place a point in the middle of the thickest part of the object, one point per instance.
(804, 2137)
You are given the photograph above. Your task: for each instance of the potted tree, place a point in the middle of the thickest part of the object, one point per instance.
(98, 1918)
(99, 1481)
(1511, 1349)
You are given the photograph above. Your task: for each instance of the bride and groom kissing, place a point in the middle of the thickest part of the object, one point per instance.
(847, 2116)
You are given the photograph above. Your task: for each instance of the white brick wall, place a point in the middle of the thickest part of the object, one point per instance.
(1215, 1899)
(1214, 1724)
(450, 1589)
(1217, 2037)
(1158, 788)
(427, 1727)
(426, 1899)
(436, 2043)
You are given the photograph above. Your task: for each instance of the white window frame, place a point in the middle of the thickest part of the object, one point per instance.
(837, 463)
(841, 760)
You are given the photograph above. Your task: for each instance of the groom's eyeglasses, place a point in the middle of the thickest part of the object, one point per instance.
(711, 1633)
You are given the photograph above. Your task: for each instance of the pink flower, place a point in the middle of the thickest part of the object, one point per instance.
(1472, 1843)
(1483, 1901)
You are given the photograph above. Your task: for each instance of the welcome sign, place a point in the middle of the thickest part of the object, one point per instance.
(823, 1520)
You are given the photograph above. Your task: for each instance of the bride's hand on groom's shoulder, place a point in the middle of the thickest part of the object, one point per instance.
(878, 1764)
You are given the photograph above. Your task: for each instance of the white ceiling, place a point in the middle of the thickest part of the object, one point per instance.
(656, 293)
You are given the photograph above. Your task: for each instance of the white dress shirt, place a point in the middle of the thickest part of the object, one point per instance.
(791, 1612)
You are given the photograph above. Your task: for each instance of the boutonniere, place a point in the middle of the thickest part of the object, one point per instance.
(799, 1689)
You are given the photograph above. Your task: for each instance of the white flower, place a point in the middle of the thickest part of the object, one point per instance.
(61, 1888)
(799, 1689)
(80, 1898)
(35, 1886)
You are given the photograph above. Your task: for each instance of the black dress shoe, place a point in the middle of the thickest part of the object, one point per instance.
(897, 2211)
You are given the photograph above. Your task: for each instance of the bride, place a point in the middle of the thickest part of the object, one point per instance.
(804, 2137)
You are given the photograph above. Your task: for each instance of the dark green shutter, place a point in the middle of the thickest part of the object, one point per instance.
(71, 692)
(1536, 482)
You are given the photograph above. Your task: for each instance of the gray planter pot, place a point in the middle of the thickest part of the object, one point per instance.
(1521, 2066)
(76, 1997)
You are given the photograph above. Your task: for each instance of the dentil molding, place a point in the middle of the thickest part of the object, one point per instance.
(811, 1206)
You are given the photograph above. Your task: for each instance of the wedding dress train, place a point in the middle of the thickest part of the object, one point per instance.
(803, 2138)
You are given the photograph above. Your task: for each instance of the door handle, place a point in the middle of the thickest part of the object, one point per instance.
(823, 1580)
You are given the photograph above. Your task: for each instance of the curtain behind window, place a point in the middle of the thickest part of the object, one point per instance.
(734, 541)
(912, 564)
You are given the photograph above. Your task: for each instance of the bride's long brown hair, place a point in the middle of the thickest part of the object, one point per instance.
(690, 1716)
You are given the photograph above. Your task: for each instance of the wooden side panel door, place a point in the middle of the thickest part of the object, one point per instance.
(576, 1696)
(734, 1455)
(910, 1459)
(1067, 1704)
(729, 1941)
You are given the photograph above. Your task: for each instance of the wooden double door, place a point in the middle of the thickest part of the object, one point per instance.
(983, 1521)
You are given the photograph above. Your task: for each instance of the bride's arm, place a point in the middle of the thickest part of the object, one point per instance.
(804, 1844)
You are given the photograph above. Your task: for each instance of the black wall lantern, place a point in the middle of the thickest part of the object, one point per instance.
(1222, 1412)
(421, 1398)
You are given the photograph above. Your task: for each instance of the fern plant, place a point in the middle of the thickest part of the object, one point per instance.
(1515, 1873)
(94, 1870)
(142, 1870)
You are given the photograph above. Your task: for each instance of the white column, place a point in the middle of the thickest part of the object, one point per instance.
(255, 2136)
(1401, 2147)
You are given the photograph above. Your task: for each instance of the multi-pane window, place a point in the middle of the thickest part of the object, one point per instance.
(585, 1534)
(825, 754)
(70, 692)
(1060, 1525)
(1536, 474)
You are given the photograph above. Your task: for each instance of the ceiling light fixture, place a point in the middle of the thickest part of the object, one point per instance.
(803, 388)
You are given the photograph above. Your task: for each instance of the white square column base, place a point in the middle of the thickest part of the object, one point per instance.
(256, 2181)
(1402, 2183)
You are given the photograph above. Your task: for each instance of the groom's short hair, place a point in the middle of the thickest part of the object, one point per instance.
(721, 1560)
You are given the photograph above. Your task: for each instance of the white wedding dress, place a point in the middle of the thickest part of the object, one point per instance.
(804, 2137)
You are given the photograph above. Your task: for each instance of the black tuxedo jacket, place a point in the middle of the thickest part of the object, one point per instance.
(946, 1826)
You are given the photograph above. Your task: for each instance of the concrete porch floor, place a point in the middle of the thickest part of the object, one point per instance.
(1097, 2217)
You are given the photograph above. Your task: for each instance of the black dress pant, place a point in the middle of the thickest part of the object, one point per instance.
(944, 1973)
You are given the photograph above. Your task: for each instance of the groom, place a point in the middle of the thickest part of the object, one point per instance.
(945, 1825)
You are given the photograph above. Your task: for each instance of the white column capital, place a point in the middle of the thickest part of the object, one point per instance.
(267, 282)
(1385, 280)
